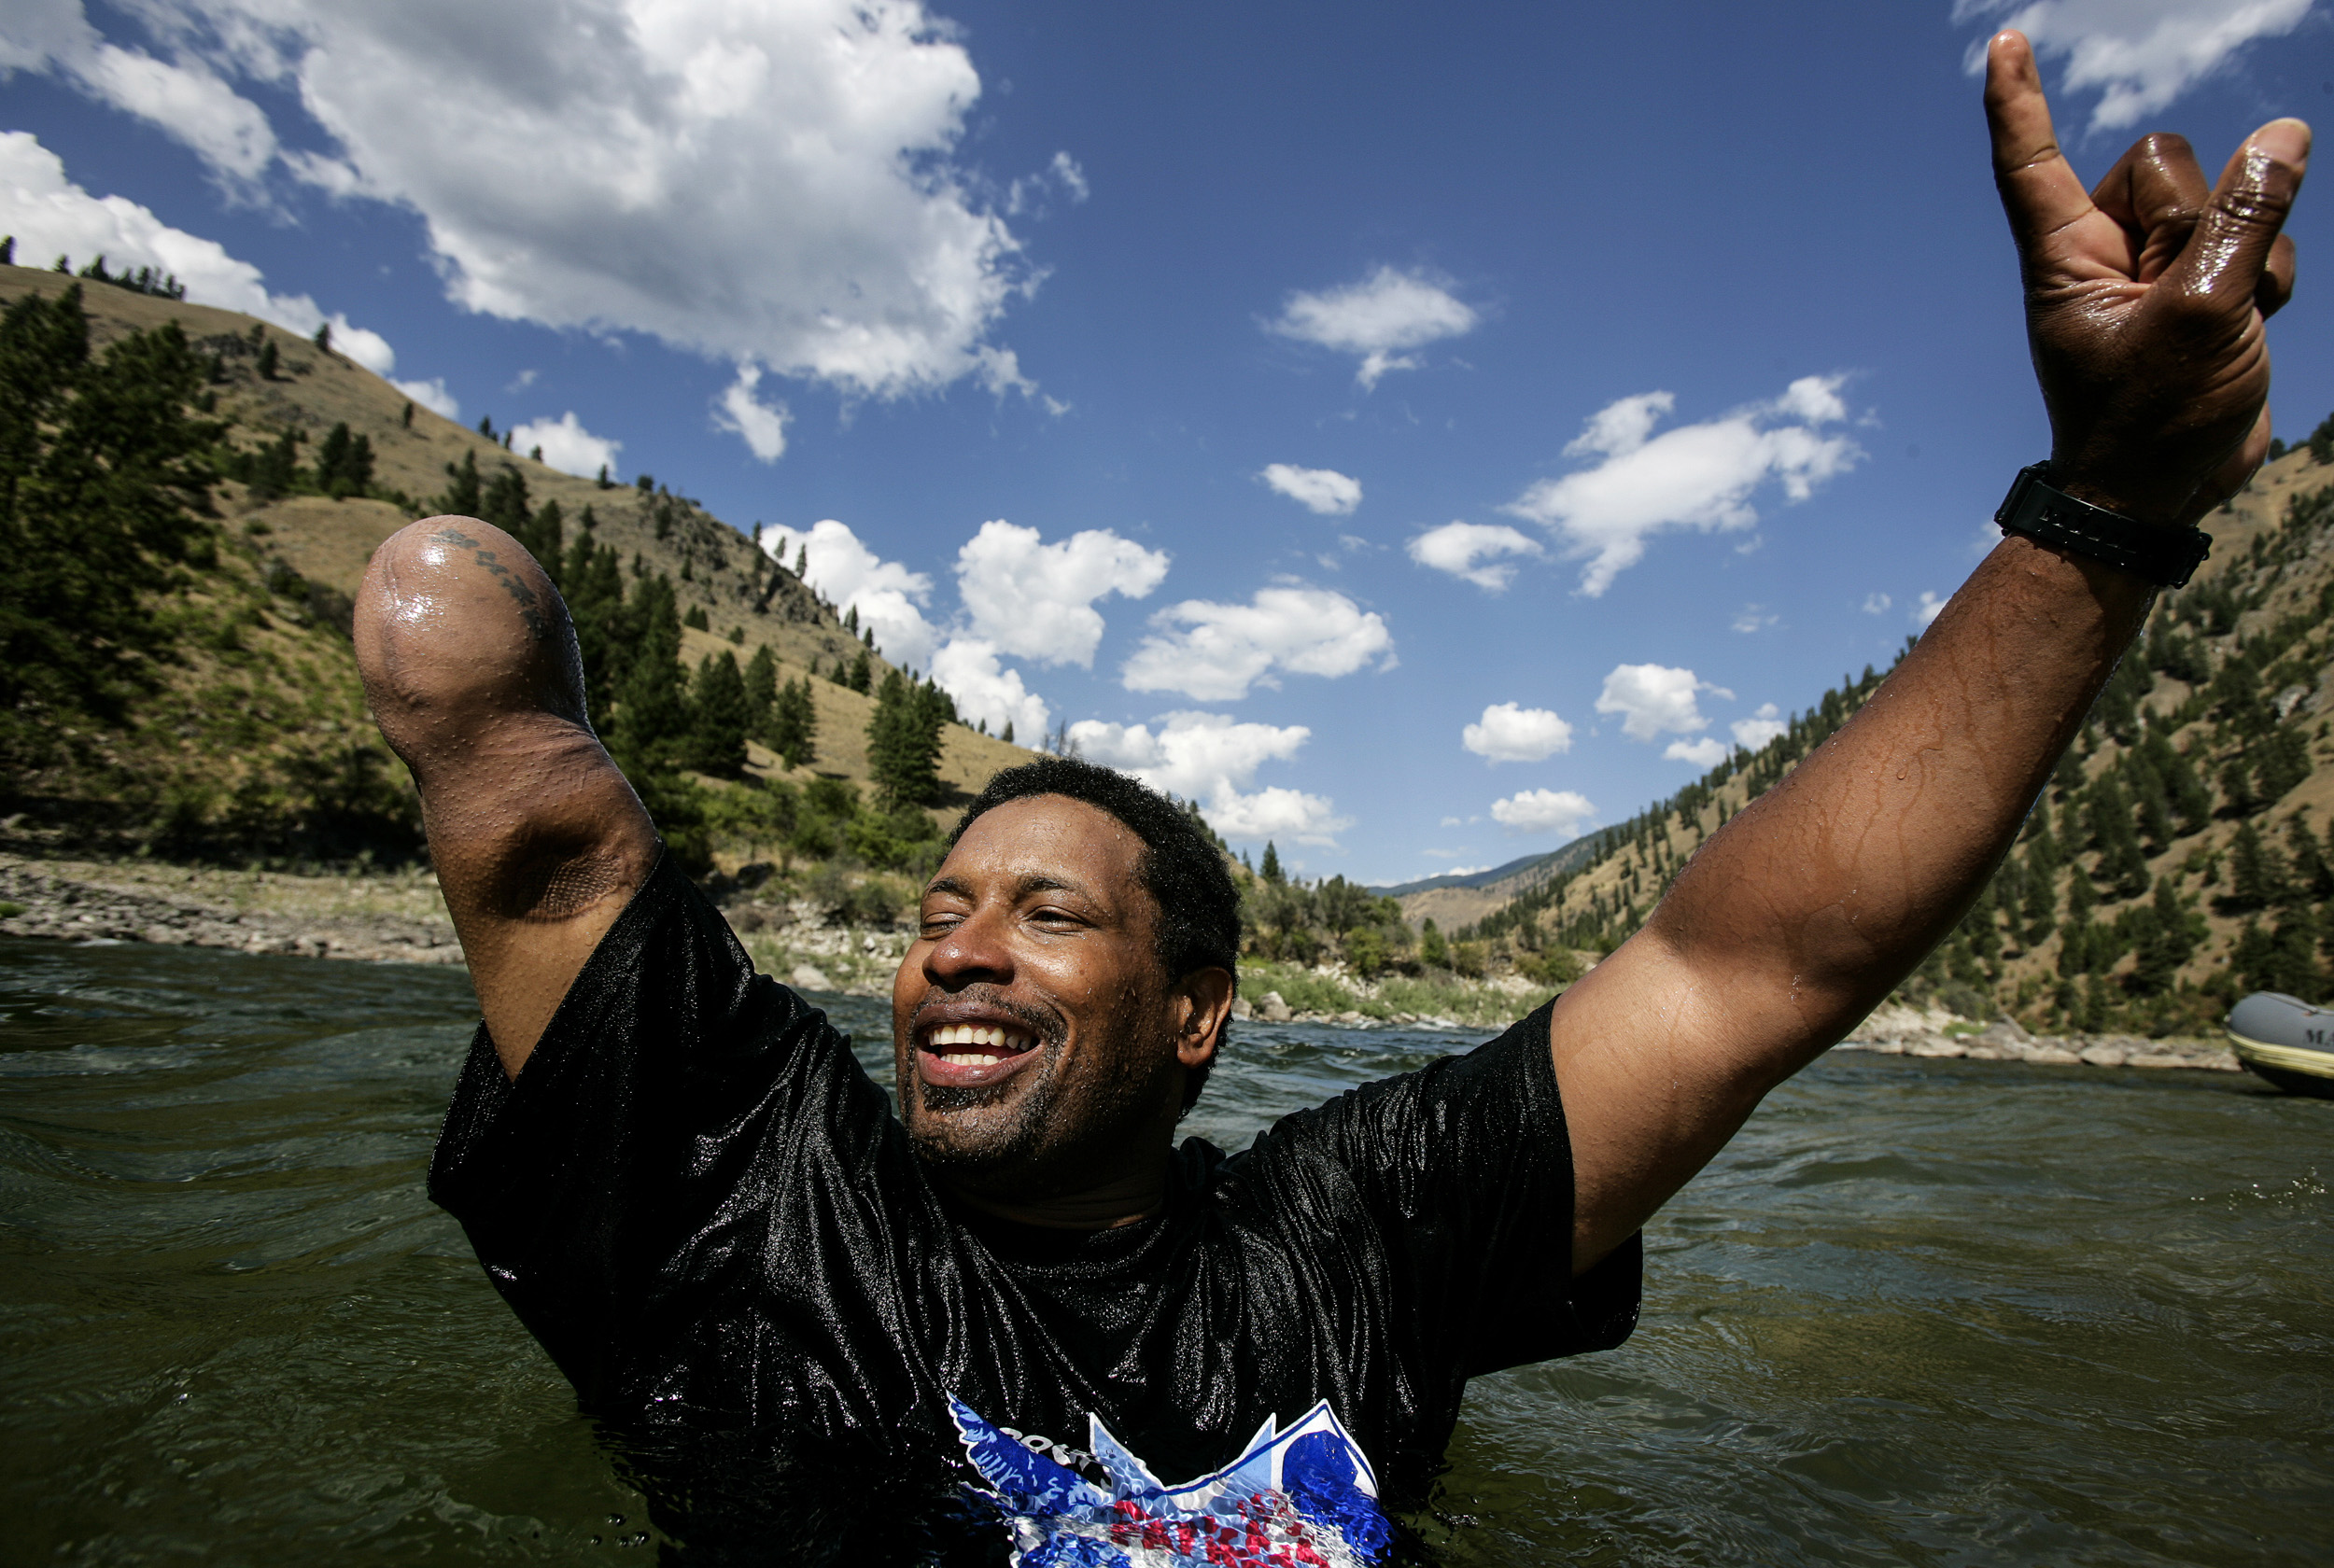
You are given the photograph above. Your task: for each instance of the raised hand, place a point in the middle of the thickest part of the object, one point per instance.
(2145, 298)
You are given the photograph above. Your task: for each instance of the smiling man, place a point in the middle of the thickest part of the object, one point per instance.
(777, 1291)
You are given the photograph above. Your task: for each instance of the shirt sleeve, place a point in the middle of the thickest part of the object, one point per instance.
(617, 1190)
(1465, 1167)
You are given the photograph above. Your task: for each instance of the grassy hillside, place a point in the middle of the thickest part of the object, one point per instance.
(243, 731)
(2178, 857)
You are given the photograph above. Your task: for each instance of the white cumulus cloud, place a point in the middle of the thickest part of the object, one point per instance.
(1708, 751)
(567, 445)
(773, 181)
(1474, 551)
(431, 394)
(1765, 724)
(1379, 318)
(1562, 812)
(185, 99)
(1318, 490)
(1276, 812)
(1036, 600)
(1927, 609)
(1511, 733)
(1655, 700)
(2138, 55)
(1211, 757)
(888, 597)
(1693, 476)
(969, 671)
(1877, 604)
(761, 426)
(53, 217)
(1215, 652)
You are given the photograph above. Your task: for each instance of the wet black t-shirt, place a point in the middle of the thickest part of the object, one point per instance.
(704, 1210)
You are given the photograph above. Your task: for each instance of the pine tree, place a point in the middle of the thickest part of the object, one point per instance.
(2281, 761)
(761, 694)
(345, 463)
(1271, 868)
(795, 724)
(465, 497)
(104, 480)
(268, 360)
(1006, 736)
(2170, 940)
(862, 674)
(2077, 933)
(717, 718)
(507, 505)
(2041, 902)
(652, 710)
(2314, 878)
(2151, 802)
(273, 470)
(904, 742)
(2257, 873)
(2190, 800)
(1433, 951)
(2122, 864)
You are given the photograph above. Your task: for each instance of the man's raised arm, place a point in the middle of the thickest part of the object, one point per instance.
(471, 670)
(2144, 307)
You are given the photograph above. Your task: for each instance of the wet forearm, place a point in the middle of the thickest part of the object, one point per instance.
(471, 670)
(1818, 899)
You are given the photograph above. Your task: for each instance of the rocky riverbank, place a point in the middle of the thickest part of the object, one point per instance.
(1904, 1031)
(398, 918)
(389, 917)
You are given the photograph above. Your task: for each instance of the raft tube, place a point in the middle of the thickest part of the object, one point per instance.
(2286, 1041)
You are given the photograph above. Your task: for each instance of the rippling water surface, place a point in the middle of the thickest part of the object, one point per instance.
(1930, 1312)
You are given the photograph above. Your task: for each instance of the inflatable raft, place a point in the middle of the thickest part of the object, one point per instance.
(2285, 1041)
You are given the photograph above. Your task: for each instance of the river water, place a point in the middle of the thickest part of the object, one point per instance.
(1928, 1313)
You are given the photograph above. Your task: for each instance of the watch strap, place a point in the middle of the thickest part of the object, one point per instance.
(2164, 554)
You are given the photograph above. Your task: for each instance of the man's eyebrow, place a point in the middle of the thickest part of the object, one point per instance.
(1024, 885)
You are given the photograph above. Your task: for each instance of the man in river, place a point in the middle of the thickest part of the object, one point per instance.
(773, 1287)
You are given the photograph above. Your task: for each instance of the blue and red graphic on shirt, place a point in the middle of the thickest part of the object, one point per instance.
(1303, 1498)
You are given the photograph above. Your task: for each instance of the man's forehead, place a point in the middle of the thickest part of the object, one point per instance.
(1050, 838)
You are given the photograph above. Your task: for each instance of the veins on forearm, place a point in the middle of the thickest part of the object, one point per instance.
(527, 599)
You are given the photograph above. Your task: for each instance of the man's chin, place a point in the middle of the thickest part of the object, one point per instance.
(993, 1128)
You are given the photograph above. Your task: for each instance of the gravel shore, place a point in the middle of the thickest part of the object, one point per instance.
(397, 918)
(383, 919)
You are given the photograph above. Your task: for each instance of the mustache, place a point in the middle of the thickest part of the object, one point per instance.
(1046, 1027)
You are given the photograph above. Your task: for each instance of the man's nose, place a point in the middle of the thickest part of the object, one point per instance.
(975, 949)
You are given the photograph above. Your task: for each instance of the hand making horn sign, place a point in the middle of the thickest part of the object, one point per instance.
(678, 1176)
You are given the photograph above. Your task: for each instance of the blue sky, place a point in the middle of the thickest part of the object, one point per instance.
(1420, 433)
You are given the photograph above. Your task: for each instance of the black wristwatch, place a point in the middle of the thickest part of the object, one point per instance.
(2165, 555)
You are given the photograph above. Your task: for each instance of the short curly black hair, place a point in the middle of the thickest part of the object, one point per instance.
(1186, 876)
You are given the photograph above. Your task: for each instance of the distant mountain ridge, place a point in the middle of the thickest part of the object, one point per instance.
(259, 717)
(2179, 855)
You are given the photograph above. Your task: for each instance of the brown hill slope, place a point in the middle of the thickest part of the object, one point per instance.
(260, 720)
(2178, 857)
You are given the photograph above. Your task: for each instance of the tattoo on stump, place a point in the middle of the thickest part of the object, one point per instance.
(527, 598)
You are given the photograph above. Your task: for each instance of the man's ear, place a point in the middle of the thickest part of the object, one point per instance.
(1206, 997)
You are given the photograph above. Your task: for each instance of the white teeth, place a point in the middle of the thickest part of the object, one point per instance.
(999, 1039)
(964, 1058)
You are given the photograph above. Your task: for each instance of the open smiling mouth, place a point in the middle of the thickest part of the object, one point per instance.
(966, 1055)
